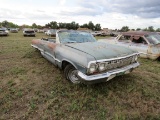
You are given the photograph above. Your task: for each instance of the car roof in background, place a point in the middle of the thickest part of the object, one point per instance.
(136, 33)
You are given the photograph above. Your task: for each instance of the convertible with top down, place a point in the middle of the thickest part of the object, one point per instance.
(85, 60)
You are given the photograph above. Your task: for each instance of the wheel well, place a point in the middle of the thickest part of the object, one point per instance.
(158, 58)
(64, 64)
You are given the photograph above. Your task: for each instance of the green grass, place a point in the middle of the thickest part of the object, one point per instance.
(33, 88)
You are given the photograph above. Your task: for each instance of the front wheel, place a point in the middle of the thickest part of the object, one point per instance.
(71, 74)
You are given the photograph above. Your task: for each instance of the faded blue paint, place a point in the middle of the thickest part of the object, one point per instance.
(80, 54)
(101, 50)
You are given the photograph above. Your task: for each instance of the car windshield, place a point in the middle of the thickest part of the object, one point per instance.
(153, 38)
(75, 37)
(29, 31)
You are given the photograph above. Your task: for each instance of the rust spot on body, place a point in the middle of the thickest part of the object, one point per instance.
(52, 45)
(35, 41)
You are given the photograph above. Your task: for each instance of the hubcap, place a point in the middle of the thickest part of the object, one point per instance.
(73, 76)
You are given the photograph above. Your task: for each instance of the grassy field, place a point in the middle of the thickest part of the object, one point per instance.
(33, 88)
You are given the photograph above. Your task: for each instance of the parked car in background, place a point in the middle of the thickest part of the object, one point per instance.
(146, 43)
(84, 59)
(35, 29)
(3, 32)
(51, 32)
(29, 32)
(40, 31)
(114, 34)
(96, 33)
(13, 30)
(45, 30)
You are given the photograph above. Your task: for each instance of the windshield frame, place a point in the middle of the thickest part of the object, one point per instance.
(72, 38)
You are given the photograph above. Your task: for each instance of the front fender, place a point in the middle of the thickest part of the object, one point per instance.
(75, 57)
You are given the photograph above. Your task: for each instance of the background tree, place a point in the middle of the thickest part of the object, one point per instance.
(5, 23)
(84, 25)
(97, 27)
(138, 29)
(145, 29)
(34, 25)
(158, 30)
(62, 25)
(39, 26)
(91, 25)
(8, 24)
(151, 29)
(53, 25)
(125, 29)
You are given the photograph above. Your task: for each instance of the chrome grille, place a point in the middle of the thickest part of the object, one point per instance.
(119, 62)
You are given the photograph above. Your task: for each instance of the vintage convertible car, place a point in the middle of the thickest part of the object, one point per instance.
(85, 60)
(146, 43)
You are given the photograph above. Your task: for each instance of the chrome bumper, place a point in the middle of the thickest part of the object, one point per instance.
(104, 77)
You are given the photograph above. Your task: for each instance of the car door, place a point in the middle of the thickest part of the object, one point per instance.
(49, 51)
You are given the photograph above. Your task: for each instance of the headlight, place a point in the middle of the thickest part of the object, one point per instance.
(101, 67)
(92, 68)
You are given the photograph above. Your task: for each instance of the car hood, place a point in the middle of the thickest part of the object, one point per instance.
(100, 50)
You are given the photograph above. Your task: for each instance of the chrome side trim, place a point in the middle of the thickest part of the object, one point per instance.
(45, 52)
(37, 48)
(108, 74)
(52, 56)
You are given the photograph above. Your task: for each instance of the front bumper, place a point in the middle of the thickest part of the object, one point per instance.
(3, 34)
(104, 77)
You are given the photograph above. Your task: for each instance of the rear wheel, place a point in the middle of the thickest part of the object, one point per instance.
(71, 74)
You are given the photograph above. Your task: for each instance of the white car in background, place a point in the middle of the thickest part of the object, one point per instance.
(3, 32)
(40, 31)
(51, 32)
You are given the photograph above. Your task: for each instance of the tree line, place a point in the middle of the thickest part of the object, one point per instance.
(54, 25)
(150, 29)
(8, 24)
(73, 25)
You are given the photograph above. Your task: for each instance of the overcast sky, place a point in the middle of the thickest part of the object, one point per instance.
(109, 13)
